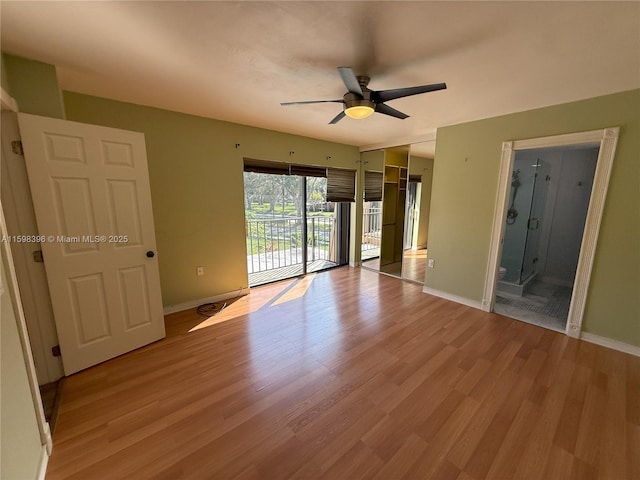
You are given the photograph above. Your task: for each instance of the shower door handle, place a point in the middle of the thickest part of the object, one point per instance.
(530, 224)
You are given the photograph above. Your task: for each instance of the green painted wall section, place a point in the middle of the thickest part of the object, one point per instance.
(4, 78)
(397, 156)
(373, 160)
(20, 446)
(34, 85)
(195, 172)
(465, 182)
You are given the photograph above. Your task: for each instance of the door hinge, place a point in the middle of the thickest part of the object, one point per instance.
(55, 351)
(37, 256)
(16, 147)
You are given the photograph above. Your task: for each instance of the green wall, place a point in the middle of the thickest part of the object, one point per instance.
(195, 171)
(465, 182)
(4, 78)
(34, 85)
(20, 445)
(373, 160)
(398, 156)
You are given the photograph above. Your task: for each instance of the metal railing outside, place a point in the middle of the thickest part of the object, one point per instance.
(277, 242)
(371, 228)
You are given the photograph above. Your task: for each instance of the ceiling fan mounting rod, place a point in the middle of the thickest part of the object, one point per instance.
(363, 80)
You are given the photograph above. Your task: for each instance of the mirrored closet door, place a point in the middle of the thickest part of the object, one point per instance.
(417, 209)
(397, 199)
(397, 188)
(373, 171)
(394, 201)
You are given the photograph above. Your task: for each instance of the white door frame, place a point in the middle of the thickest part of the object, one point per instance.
(8, 103)
(20, 220)
(607, 139)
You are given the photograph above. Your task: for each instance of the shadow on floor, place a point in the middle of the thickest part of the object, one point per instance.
(51, 394)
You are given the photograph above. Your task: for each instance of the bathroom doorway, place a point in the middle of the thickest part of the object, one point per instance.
(548, 201)
(543, 212)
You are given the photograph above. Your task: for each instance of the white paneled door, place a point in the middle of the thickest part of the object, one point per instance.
(92, 201)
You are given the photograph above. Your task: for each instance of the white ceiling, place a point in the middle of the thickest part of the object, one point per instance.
(237, 61)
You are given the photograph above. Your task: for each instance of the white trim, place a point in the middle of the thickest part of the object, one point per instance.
(569, 139)
(607, 139)
(14, 293)
(454, 298)
(195, 303)
(607, 151)
(32, 280)
(44, 461)
(497, 233)
(48, 439)
(7, 101)
(610, 343)
(429, 137)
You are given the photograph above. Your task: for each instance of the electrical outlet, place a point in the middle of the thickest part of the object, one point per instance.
(200, 271)
(431, 262)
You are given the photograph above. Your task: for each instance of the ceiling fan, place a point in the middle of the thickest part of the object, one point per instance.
(360, 102)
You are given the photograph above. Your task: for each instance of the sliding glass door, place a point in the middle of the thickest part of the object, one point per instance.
(291, 228)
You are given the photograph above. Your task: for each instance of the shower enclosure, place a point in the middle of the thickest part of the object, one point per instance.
(527, 199)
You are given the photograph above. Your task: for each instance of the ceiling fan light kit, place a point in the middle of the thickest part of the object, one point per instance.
(359, 111)
(360, 102)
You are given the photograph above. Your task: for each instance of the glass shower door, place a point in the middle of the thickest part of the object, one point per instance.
(536, 214)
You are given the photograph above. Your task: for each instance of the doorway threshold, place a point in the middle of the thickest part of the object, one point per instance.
(533, 318)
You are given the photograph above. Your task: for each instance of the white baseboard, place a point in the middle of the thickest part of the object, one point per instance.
(195, 303)
(454, 298)
(48, 440)
(44, 461)
(610, 343)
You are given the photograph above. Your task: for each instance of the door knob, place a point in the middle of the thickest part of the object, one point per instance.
(150, 254)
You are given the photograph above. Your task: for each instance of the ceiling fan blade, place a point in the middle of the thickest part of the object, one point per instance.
(312, 101)
(337, 118)
(386, 95)
(387, 110)
(350, 80)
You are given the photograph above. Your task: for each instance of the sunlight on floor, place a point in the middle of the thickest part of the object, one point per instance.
(297, 290)
(258, 298)
(415, 253)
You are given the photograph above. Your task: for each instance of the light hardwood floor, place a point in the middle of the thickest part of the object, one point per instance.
(414, 264)
(348, 374)
(412, 267)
